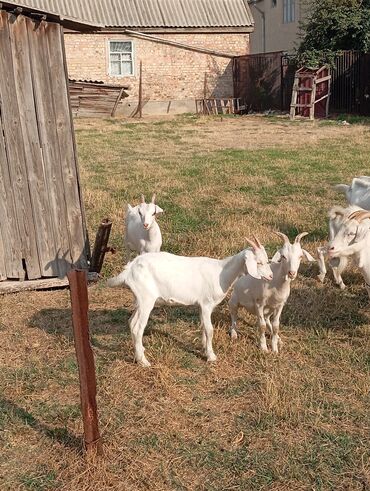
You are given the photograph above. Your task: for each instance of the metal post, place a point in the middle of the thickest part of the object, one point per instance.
(85, 360)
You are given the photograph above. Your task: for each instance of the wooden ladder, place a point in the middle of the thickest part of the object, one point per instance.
(296, 89)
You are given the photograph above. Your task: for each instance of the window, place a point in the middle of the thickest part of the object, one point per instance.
(121, 58)
(288, 11)
(273, 3)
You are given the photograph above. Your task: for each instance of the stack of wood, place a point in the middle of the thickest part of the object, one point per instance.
(95, 99)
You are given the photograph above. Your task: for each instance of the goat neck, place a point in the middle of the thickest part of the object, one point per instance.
(233, 267)
(280, 276)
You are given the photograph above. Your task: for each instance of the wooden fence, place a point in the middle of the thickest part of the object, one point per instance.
(42, 226)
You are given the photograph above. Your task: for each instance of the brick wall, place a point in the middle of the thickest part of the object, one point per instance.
(169, 73)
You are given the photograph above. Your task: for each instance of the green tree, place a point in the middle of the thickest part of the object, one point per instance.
(332, 26)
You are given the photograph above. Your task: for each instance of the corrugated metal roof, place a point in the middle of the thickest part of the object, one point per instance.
(153, 13)
(66, 20)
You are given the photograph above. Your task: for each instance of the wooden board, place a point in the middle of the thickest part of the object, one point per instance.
(33, 153)
(42, 227)
(50, 148)
(15, 152)
(11, 260)
(77, 233)
(44, 284)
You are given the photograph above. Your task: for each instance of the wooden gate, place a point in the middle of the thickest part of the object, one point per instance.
(42, 226)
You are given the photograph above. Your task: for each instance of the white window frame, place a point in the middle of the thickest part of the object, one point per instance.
(132, 57)
(288, 11)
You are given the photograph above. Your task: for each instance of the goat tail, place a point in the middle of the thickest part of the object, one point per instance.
(119, 280)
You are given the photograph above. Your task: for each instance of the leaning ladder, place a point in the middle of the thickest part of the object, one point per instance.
(311, 104)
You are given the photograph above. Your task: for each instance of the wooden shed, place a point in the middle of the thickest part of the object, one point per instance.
(42, 225)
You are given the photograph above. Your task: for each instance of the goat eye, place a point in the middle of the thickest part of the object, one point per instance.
(283, 257)
(153, 214)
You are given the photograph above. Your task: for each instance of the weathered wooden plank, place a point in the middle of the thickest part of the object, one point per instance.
(46, 120)
(43, 284)
(78, 241)
(15, 151)
(33, 155)
(10, 242)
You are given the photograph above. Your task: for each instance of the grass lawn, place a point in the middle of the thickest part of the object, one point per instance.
(251, 421)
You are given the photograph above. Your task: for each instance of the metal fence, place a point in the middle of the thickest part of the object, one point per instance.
(265, 81)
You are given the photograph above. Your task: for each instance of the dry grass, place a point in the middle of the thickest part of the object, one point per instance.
(299, 421)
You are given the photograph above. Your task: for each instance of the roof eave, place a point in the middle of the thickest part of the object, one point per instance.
(66, 21)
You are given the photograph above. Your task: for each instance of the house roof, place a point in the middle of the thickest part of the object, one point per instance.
(54, 16)
(152, 13)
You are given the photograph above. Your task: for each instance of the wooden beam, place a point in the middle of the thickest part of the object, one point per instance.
(117, 102)
(43, 284)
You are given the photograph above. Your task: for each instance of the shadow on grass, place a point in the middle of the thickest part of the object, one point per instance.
(326, 308)
(103, 321)
(114, 323)
(9, 409)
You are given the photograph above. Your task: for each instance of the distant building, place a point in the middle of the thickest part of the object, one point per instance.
(185, 48)
(276, 25)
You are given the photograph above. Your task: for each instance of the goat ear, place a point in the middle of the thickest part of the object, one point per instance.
(276, 258)
(158, 209)
(251, 264)
(336, 211)
(308, 256)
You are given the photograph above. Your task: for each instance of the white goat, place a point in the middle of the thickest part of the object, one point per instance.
(352, 239)
(267, 299)
(338, 265)
(358, 193)
(166, 278)
(142, 233)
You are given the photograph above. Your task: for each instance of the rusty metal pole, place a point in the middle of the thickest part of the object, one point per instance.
(85, 359)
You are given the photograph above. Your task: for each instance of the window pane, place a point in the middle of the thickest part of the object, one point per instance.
(285, 11)
(126, 57)
(292, 11)
(126, 68)
(115, 57)
(115, 68)
(120, 46)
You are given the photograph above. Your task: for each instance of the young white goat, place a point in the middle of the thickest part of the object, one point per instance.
(267, 299)
(352, 239)
(166, 278)
(142, 232)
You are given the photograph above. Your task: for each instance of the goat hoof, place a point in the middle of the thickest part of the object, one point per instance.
(233, 334)
(211, 358)
(342, 286)
(144, 363)
(321, 277)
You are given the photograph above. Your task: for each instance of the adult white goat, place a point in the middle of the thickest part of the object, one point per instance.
(358, 193)
(267, 299)
(170, 279)
(142, 233)
(352, 239)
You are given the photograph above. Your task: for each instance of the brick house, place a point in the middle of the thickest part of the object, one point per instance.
(184, 47)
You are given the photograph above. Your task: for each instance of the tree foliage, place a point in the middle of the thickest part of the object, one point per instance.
(332, 26)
